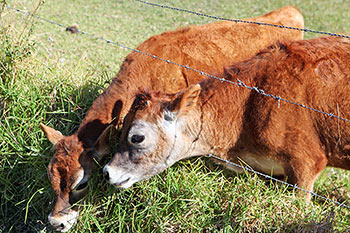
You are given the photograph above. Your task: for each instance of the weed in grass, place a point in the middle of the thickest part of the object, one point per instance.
(11, 53)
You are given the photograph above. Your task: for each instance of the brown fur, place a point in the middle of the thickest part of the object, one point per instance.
(237, 123)
(207, 48)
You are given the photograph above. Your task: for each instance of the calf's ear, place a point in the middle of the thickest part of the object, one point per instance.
(188, 100)
(53, 135)
(102, 145)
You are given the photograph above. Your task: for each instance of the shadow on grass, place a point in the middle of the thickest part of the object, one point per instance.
(26, 194)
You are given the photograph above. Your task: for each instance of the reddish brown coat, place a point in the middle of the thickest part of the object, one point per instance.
(207, 48)
(237, 123)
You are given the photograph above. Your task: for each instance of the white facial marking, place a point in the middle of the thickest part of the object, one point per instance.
(64, 222)
(173, 131)
(169, 126)
(120, 177)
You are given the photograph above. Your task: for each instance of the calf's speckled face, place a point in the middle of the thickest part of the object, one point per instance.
(154, 136)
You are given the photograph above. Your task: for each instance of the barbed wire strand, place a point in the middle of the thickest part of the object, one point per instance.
(240, 20)
(277, 180)
(239, 83)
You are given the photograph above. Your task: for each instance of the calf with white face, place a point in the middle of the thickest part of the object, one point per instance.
(149, 147)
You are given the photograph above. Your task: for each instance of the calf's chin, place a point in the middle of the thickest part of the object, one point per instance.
(123, 173)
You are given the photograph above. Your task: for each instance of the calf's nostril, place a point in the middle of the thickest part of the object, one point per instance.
(62, 225)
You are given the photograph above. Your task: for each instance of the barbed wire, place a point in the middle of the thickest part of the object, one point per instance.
(239, 83)
(240, 20)
(277, 180)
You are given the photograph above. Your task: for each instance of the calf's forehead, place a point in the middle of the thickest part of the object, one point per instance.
(147, 115)
(148, 106)
(65, 164)
(62, 178)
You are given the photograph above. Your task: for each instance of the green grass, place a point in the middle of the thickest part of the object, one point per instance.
(52, 76)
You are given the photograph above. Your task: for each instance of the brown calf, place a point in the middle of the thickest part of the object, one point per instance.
(207, 48)
(238, 124)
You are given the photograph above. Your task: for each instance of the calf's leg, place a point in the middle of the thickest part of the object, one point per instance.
(303, 168)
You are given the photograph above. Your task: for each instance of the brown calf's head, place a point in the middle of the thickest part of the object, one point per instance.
(69, 171)
(155, 135)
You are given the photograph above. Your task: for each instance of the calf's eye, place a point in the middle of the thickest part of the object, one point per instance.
(135, 139)
(82, 186)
